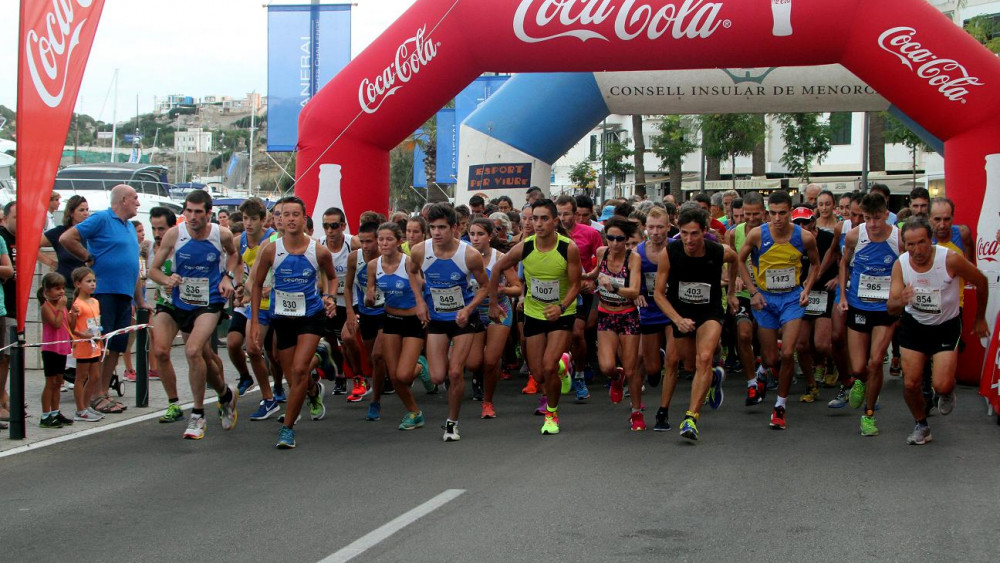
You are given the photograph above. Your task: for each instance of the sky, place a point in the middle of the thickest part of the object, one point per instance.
(190, 47)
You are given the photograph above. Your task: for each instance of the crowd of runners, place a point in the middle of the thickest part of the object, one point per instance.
(647, 293)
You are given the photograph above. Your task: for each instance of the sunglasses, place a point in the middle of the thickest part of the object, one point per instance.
(331, 225)
(616, 238)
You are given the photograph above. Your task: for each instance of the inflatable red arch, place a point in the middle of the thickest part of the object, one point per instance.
(906, 49)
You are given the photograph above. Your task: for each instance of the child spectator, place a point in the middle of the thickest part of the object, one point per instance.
(52, 295)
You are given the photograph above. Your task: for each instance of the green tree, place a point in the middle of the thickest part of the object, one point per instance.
(402, 196)
(986, 30)
(671, 145)
(583, 175)
(807, 139)
(726, 136)
(616, 164)
(896, 132)
(427, 141)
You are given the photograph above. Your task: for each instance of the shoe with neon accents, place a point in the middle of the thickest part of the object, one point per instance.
(551, 424)
(868, 427)
(227, 412)
(778, 418)
(689, 429)
(488, 410)
(195, 428)
(565, 373)
(857, 396)
(715, 393)
(412, 420)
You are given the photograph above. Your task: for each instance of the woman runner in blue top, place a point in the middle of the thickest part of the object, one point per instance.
(298, 312)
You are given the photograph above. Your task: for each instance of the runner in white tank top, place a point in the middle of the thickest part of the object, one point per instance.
(926, 284)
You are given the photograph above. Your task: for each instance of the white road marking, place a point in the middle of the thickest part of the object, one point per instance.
(378, 535)
(95, 430)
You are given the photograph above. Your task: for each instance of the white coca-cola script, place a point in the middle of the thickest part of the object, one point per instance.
(51, 47)
(411, 57)
(949, 76)
(691, 19)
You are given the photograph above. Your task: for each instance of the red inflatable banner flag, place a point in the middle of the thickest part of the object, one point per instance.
(54, 43)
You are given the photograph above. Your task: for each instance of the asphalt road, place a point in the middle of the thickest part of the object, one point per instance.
(596, 492)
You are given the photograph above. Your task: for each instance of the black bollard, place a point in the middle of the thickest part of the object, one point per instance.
(17, 426)
(142, 361)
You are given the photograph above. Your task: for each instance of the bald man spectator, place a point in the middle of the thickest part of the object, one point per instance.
(811, 193)
(114, 256)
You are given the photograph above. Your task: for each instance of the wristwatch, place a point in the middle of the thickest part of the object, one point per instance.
(562, 307)
(230, 274)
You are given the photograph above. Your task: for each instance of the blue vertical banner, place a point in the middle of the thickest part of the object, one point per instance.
(307, 45)
(479, 91)
(447, 147)
(419, 170)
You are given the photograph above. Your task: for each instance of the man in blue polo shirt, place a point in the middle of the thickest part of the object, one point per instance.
(112, 251)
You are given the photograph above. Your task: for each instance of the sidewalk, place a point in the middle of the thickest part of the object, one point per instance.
(35, 381)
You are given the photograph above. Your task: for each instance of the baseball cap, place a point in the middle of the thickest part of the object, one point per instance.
(802, 214)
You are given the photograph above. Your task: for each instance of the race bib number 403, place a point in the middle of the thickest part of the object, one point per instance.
(694, 293)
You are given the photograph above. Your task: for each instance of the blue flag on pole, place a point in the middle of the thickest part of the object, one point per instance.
(307, 45)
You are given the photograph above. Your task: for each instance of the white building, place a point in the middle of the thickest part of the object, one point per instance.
(193, 140)
(840, 171)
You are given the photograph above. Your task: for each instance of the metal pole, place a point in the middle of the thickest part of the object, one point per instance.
(17, 426)
(864, 153)
(142, 362)
(604, 180)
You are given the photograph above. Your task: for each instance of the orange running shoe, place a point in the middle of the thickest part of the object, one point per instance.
(531, 388)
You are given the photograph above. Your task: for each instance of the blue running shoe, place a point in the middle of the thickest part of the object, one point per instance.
(266, 410)
(244, 385)
(689, 429)
(374, 411)
(286, 438)
(279, 393)
(715, 394)
(425, 375)
(580, 389)
(412, 420)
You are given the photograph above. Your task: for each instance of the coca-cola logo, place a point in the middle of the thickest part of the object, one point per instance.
(948, 75)
(411, 57)
(49, 49)
(986, 249)
(551, 19)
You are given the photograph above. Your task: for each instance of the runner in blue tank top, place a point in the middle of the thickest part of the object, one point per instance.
(652, 322)
(402, 331)
(204, 258)
(870, 251)
(449, 306)
(298, 312)
(364, 319)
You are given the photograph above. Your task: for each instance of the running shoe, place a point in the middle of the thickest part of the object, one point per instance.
(842, 398)
(531, 387)
(772, 380)
(857, 397)
(868, 426)
(374, 411)
(49, 422)
(543, 406)
(565, 373)
(227, 411)
(425, 375)
(88, 415)
(412, 420)
(638, 421)
(130, 375)
(266, 410)
(360, 391)
(477, 390)
(154, 375)
(281, 419)
(810, 395)
(327, 368)
(661, 420)
(946, 403)
(715, 393)
(387, 388)
(895, 369)
(754, 396)
(580, 388)
(488, 410)
(195, 428)
(451, 432)
(173, 414)
(551, 424)
(921, 435)
(286, 438)
(830, 379)
(689, 429)
(317, 410)
(617, 391)
(762, 381)
(340, 386)
(244, 385)
(66, 421)
(653, 379)
(279, 393)
(778, 418)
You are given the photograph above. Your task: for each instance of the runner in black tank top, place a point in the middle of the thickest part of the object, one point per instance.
(693, 268)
